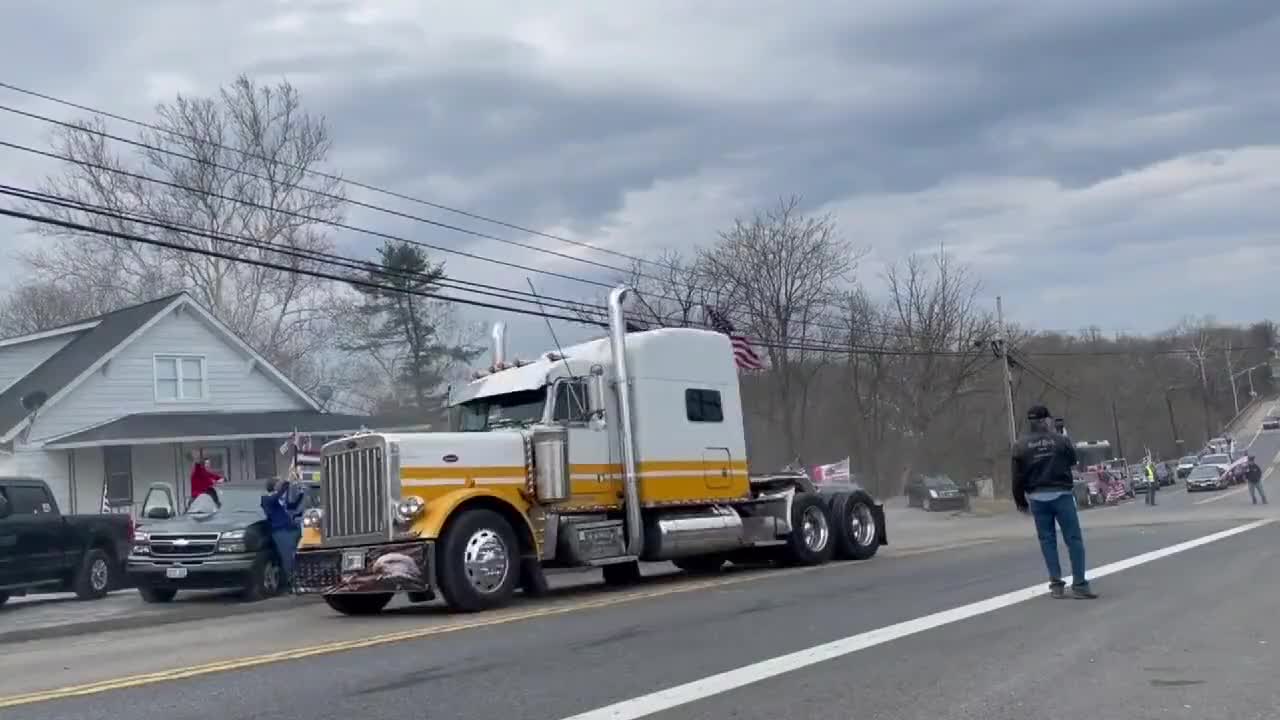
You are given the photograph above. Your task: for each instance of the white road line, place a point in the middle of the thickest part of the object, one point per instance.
(678, 695)
(1220, 496)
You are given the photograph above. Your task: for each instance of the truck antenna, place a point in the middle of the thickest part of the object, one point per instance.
(550, 329)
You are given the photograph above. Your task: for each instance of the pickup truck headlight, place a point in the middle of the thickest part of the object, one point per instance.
(141, 543)
(231, 541)
(312, 517)
(409, 509)
(933, 494)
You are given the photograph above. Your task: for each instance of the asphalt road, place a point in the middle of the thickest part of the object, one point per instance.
(1178, 636)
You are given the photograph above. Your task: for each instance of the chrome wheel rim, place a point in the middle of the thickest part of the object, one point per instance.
(486, 561)
(98, 574)
(862, 524)
(814, 529)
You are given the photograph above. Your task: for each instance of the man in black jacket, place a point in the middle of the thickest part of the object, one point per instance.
(1253, 474)
(1044, 486)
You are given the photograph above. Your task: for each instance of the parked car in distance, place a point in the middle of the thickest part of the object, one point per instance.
(222, 541)
(1271, 422)
(42, 550)
(1207, 477)
(1222, 461)
(936, 492)
(1185, 464)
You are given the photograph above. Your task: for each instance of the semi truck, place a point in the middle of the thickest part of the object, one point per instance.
(623, 449)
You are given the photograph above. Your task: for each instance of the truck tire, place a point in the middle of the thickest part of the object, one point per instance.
(264, 578)
(95, 576)
(157, 595)
(622, 574)
(810, 540)
(855, 532)
(358, 603)
(700, 565)
(478, 561)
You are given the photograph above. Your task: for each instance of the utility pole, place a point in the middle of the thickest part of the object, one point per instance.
(1231, 373)
(1204, 401)
(1115, 423)
(1173, 424)
(1002, 342)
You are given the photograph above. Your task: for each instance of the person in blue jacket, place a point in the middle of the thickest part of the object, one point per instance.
(281, 514)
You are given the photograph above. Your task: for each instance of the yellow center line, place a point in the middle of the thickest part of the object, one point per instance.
(497, 618)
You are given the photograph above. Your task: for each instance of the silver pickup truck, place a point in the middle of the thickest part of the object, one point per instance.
(222, 541)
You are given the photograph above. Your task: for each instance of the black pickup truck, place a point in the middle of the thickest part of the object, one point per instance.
(42, 550)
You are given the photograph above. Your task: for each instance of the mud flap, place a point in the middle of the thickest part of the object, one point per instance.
(882, 531)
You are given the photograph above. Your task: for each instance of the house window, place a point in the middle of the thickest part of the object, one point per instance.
(703, 406)
(571, 401)
(180, 378)
(265, 452)
(117, 465)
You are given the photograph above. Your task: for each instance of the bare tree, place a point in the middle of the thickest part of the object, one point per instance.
(36, 306)
(934, 305)
(780, 273)
(233, 167)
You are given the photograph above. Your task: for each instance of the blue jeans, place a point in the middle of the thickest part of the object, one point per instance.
(286, 542)
(1063, 511)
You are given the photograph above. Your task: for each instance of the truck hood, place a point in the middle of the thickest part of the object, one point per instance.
(437, 452)
(202, 523)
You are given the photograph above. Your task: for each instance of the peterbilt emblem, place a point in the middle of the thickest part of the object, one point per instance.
(450, 458)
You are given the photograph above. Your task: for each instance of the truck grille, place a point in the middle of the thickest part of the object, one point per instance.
(184, 545)
(355, 494)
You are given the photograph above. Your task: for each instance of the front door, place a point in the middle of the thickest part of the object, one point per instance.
(593, 476)
(717, 471)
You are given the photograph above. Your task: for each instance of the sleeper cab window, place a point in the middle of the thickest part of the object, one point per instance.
(703, 406)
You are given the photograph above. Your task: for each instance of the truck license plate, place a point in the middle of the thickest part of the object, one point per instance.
(175, 573)
(352, 561)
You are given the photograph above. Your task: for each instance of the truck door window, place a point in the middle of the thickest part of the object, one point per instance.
(27, 500)
(703, 406)
(571, 401)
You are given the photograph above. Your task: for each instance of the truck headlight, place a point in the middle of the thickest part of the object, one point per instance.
(409, 509)
(231, 541)
(933, 494)
(312, 517)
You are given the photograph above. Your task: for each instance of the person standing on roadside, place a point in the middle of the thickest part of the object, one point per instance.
(285, 534)
(1152, 483)
(1043, 486)
(1253, 474)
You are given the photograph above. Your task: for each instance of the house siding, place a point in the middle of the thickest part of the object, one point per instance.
(126, 384)
(18, 360)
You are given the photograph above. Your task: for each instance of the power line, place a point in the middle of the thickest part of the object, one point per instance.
(335, 178)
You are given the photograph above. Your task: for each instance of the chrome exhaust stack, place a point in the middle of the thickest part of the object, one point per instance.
(622, 382)
(499, 337)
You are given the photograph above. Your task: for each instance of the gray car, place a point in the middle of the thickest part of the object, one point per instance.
(222, 541)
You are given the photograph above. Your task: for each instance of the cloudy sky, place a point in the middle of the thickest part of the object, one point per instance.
(1100, 162)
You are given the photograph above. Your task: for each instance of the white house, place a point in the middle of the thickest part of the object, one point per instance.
(132, 397)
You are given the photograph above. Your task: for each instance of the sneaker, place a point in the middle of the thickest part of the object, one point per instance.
(1084, 593)
(1057, 591)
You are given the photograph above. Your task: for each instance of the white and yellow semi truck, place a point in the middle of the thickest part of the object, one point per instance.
(624, 449)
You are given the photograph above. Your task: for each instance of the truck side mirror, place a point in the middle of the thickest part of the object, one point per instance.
(596, 394)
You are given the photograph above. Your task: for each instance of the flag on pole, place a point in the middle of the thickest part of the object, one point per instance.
(290, 443)
(106, 501)
(743, 354)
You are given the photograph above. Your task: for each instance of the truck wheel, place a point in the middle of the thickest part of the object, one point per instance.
(94, 578)
(810, 540)
(157, 595)
(264, 578)
(856, 534)
(479, 561)
(621, 574)
(700, 565)
(358, 603)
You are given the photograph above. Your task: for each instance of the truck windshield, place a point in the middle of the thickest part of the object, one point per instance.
(511, 410)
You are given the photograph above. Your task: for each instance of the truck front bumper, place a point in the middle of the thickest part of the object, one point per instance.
(391, 567)
(210, 573)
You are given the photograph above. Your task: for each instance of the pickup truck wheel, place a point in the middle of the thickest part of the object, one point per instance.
(358, 603)
(478, 561)
(157, 595)
(810, 540)
(855, 531)
(94, 578)
(264, 578)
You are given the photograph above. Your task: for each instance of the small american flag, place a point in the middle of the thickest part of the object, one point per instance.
(106, 501)
(743, 354)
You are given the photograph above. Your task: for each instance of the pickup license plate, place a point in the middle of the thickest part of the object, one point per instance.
(175, 573)
(352, 561)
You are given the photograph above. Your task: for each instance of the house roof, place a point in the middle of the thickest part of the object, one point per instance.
(100, 340)
(163, 428)
(66, 366)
